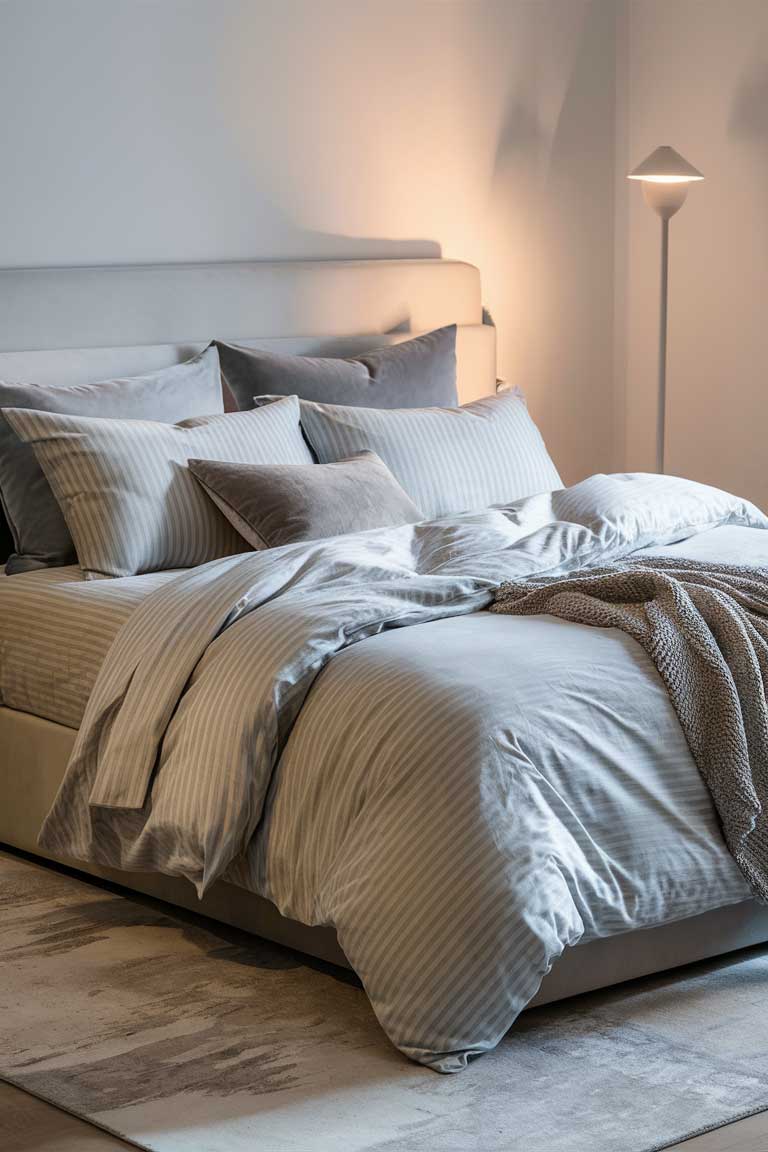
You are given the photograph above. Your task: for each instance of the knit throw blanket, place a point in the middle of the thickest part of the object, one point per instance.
(705, 627)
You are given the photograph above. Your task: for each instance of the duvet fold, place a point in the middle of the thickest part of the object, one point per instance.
(179, 750)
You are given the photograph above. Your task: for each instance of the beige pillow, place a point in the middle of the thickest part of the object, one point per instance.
(270, 505)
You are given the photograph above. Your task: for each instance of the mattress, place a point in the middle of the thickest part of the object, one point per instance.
(55, 630)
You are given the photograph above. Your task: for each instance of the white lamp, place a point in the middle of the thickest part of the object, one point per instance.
(665, 175)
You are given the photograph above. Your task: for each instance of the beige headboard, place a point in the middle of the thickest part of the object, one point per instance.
(80, 324)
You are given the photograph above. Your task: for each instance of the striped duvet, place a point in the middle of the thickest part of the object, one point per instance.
(461, 795)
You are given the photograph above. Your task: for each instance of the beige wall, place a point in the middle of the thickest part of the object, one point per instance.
(487, 130)
(697, 78)
(231, 129)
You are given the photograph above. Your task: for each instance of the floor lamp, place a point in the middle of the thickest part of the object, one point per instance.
(665, 175)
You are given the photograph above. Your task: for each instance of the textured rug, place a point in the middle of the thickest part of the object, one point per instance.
(186, 1037)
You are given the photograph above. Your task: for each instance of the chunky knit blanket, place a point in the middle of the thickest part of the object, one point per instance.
(705, 627)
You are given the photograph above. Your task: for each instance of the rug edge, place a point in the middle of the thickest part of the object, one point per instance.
(679, 1139)
(707, 1128)
(7, 1079)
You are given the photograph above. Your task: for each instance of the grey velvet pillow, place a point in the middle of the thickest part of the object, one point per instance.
(41, 538)
(418, 373)
(283, 504)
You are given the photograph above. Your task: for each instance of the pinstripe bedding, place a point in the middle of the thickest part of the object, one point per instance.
(487, 452)
(461, 795)
(55, 630)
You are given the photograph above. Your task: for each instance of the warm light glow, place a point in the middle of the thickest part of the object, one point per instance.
(665, 166)
(666, 179)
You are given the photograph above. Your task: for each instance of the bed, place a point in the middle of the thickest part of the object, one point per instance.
(84, 324)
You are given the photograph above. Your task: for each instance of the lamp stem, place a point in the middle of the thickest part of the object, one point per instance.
(661, 414)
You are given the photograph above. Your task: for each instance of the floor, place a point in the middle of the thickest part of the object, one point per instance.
(30, 1125)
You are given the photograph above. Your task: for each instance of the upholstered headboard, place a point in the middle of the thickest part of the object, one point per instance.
(75, 325)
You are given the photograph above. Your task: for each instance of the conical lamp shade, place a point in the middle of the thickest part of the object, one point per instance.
(665, 166)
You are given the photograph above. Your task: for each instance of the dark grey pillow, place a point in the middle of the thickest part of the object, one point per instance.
(6, 540)
(419, 373)
(276, 504)
(40, 535)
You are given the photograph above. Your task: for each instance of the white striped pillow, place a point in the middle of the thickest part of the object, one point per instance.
(129, 500)
(447, 459)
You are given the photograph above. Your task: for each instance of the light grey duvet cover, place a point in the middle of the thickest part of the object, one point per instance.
(462, 795)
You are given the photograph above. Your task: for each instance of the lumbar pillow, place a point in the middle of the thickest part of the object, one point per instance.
(276, 504)
(41, 538)
(416, 373)
(447, 459)
(128, 498)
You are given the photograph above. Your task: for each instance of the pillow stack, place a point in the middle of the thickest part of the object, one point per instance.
(128, 498)
(150, 473)
(41, 538)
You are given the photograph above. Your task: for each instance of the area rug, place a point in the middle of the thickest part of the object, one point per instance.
(184, 1037)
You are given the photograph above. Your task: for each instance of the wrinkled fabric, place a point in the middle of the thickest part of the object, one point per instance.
(454, 879)
(705, 626)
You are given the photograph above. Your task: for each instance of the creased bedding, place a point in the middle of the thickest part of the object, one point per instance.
(455, 877)
(706, 629)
